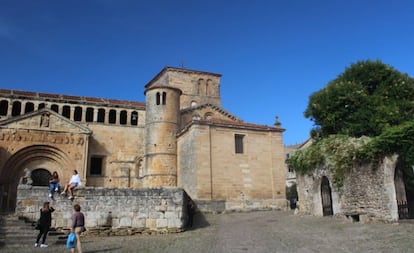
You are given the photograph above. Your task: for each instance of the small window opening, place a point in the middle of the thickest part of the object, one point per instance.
(123, 118)
(89, 114)
(158, 98)
(78, 113)
(112, 116)
(4, 107)
(96, 166)
(66, 111)
(134, 118)
(101, 115)
(29, 107)
(238, 139)
(17, 107)
(55, 108)
(164, 98)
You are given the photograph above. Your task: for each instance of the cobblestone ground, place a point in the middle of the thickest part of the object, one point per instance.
(261, 231)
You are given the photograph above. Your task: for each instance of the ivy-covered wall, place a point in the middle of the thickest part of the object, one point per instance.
(367, 192)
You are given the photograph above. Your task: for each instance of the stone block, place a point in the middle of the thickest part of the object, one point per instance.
(151, 224)
(125, 222)
(138, 223)
(162, 223)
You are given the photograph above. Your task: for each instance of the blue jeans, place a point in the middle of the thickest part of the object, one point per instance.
(52, 187)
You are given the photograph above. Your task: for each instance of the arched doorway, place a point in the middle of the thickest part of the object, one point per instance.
(404, 190)
(40, 160)
(41, 177)
(326, 196)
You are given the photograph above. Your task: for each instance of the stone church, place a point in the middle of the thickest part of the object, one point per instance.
(179, 137)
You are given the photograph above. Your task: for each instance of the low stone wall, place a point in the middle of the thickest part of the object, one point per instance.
(110, 210)
(222, 206)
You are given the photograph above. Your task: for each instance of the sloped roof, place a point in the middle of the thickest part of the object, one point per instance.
(213, 107)
(183, 70)
(82, 128)
(231, 124)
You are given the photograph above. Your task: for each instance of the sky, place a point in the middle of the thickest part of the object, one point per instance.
(272, 54)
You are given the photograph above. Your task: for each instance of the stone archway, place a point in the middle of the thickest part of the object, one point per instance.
(404, 190)
(41, 159)
(326, 196)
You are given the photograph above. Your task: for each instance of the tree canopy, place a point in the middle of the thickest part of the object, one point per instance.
(365, 99)
(363, 115)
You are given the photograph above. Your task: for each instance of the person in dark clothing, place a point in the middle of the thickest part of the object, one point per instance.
(44, 223)
(191, 208)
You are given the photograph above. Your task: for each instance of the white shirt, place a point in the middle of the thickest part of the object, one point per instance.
(75, 179)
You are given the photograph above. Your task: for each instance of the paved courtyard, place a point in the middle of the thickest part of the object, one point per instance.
(261, 231)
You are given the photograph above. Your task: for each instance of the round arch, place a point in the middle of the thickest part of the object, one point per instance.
(36, 157)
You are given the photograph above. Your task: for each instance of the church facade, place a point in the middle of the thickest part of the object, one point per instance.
(179, 137)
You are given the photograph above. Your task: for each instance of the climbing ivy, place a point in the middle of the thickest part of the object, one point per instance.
(337, 153)
(340, 153)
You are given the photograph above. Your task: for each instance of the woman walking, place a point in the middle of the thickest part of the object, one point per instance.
(44, 223)
(78, 226)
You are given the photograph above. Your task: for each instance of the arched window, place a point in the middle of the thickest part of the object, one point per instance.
(210, 88)
(66, 111)
(101, 115)
(78, 114)
(158, 98)
(29, 107)
(201, 87)
(4, 107)
(17, 108)
(123, 117)
(55, 108)
(193, 104)
(89, 114)
(164, 98)
(112, 116)
(134, 118)
(41, 106)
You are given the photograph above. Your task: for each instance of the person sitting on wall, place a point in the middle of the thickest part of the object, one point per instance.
(73, 183)
(54, 185)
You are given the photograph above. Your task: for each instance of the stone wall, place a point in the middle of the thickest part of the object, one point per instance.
(254, 179)
(113, 210)
(368, 193)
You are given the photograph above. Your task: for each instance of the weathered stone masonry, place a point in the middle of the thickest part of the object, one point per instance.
(367, 193)
(116, 211)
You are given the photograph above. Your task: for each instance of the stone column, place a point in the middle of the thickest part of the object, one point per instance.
(72, 113)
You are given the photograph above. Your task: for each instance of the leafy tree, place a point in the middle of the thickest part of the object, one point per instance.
(366, 98)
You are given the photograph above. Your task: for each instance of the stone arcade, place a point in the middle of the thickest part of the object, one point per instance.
(180, 141)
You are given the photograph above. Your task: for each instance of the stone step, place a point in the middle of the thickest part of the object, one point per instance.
(15, 231)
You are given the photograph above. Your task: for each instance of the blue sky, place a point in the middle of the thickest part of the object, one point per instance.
(272, 54)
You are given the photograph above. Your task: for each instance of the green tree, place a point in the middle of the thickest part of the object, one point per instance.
(366, 98)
